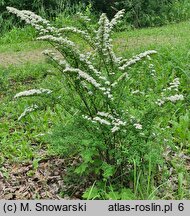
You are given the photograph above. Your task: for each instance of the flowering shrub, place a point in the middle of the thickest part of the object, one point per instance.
(117, 103)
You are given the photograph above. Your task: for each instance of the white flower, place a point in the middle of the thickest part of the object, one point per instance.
(83, 58)
(81, 33)
(135, 92)
(107, 115)
(117, 18)
(85, 76)
(160, 102)
(59, 40)
(114, 84)
(175, 98)
(135, 59)
(103, 40)
(27, 110)
(151, 66)
(114, 121)
(57, 58)
(90, 92)
(138, 126)
(87, 117)
(174, 85)
(107, 82)
(101, 121)
(31, 18)
(33, 92)
(115, 129)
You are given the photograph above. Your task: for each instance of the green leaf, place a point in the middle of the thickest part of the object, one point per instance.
(81, 169)
(108, 170)
(127, 194)
(91, 193)
(113, 196)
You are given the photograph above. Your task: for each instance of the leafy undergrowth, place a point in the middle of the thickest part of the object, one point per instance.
(20, 139)
(22, 142)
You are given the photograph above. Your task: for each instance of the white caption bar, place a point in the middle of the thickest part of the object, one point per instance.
(90, 208)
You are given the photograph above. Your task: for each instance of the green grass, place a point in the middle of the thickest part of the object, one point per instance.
(23, 140)
(20, 40)
(173, 37)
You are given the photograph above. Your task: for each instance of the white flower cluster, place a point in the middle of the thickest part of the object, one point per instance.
(83, 75)
(106, 115)
(103, 40)
(117, 123)
(82, 58)
(85, 62)
(174, 85)
(138, 126)
(33, 92)
(135, 59)
(43, 26)
(83, 34)
(126, 63)
(123, 76)
(40, 24)
(135, 122)
(152, 70)
(89, 65)
(59, 40)
(27, 110)
(160, 102)
(117, 18)
(175, 98)
(135, 92)
(114, 121)
(109, 120)
(102, 35)
(101, 120)
(99, 81)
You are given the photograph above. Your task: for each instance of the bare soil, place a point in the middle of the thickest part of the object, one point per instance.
(7, 59)
(23, 181)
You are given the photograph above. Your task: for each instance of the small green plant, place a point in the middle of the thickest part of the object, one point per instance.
(103, 191)
(115, 103)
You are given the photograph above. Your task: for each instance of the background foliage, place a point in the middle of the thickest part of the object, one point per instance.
(143, 13)
(49, 9)
(139, 13)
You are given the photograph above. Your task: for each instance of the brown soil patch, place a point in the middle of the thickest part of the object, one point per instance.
(7, 59)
